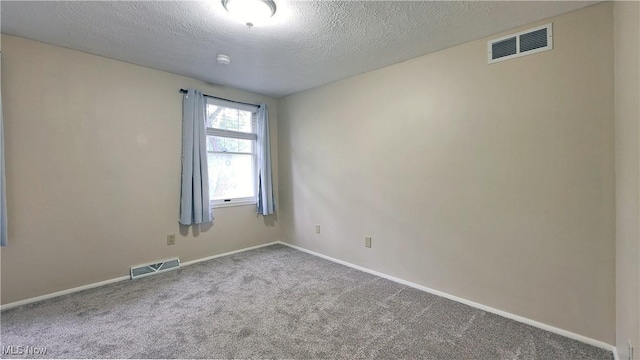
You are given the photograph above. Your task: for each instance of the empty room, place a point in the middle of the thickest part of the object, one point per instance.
(281, 179)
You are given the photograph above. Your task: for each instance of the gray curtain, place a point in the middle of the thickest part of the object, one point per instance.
(195, 207)
(266, 201)
(3, 193)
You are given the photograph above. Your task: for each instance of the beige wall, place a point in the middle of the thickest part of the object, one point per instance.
(93, 151)
(494, 183)
(627, 117)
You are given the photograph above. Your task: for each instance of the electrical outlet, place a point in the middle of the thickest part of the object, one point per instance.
(317, 229)
(171, 239)
(367, 241)
(630, 351)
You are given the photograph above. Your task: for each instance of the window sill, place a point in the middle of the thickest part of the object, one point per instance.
(231, 204)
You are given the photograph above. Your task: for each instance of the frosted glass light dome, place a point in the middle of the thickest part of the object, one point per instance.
(250, 12)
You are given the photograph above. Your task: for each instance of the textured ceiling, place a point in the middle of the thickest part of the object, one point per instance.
(306, 43)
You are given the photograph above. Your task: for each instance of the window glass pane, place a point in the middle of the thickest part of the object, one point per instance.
(218, 143)
(231, 176)
(225, 118)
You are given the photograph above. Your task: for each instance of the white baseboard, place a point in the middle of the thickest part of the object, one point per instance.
(615, 354)
(518, 318)
(60, 293)
(121, 278)
(543, 326)
(187, 263)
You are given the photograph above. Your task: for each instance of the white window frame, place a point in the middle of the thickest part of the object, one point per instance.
(236, 135)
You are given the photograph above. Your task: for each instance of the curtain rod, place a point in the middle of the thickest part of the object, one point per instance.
(216, 97)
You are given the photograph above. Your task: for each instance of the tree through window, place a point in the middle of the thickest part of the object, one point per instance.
(231, 152)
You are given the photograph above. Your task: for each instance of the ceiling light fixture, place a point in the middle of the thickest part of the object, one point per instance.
(223, 59)
(250, 12)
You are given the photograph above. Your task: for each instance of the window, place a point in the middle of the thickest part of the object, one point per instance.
(231, 153)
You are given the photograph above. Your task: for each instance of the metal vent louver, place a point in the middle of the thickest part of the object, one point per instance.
(533, 40)
(504, 48)
(154, 268)
(520, 44)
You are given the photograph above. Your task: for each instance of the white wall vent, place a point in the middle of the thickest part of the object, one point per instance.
(520, 44)
(154, 268)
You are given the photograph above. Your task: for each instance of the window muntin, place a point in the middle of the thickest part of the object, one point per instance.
(231, 119)
(231, 153)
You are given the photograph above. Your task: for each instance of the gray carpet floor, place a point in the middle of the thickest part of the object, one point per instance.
(273, 302)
